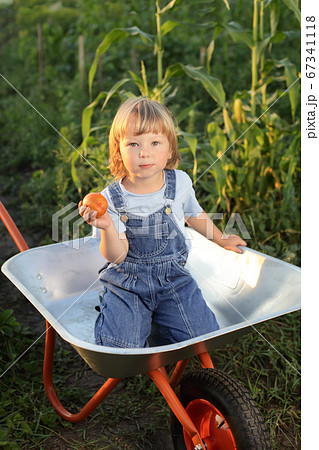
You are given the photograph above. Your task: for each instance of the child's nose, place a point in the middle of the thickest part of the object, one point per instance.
(144, 152)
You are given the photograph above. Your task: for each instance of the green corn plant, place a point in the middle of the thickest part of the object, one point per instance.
(162, 91)
(234, 168)
(258, 42)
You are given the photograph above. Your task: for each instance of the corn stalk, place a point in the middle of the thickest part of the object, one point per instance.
(159, 47)
(254, 69)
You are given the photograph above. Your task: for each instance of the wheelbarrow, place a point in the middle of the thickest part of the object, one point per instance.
(210, 409)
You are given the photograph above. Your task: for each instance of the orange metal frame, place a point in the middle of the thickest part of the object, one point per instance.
(160, 377)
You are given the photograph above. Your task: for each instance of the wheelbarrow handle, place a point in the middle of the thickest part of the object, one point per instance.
(12, 228)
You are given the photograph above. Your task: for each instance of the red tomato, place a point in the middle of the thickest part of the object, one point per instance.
(97, 202)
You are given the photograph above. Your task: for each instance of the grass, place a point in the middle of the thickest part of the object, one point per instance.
(269, 365)
(135, 415)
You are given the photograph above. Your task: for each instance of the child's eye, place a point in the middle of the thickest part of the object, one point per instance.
(132, 144)
(155, 143)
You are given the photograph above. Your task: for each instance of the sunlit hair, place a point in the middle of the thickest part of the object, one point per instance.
(150, 117)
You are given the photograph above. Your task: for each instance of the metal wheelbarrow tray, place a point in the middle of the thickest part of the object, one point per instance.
(61, 281)
(211, 411)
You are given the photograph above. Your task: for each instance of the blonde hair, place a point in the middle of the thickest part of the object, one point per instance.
(150, 117)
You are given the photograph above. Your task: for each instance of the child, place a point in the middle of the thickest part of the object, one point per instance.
(143, 235)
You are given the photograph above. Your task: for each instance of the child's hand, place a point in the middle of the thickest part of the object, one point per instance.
(231, 242)
(89, 215)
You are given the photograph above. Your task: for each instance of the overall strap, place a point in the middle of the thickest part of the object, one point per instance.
(117, 196)
(170, 190)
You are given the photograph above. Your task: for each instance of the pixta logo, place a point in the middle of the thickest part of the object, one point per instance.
(234, 219)
(69, 222)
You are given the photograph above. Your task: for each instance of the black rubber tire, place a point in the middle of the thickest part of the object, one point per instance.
(232, 400)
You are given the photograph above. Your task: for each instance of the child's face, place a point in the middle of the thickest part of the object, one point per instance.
(145, 155)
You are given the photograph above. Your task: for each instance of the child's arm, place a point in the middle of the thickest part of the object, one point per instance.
(205, 226)
(113, 246)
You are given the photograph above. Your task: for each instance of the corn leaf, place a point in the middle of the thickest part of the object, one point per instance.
(212, 85)
(239, 34)
(87, 114)
(292, 5)
(228, 125)
(115, 35)
(215, 167)
(185, 112)
(168, 26)
(274, 16)
(114, 89)
(173, 71)
(169, 6)
(75, 178)
(191, 141)
(261, 47)
(217, 138)
(291, 76)
(88, 110)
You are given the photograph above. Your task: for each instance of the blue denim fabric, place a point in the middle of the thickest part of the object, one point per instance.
(151, 284)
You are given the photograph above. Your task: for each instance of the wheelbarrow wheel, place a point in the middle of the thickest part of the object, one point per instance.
(222, 411)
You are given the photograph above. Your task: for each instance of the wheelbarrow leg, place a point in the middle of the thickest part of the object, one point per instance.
(178, 372)
(99, 396)
(163, 385)
(206, 361)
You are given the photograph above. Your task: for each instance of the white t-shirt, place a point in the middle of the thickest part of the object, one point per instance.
(184, 205)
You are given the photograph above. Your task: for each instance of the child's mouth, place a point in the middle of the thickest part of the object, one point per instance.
(146, 166)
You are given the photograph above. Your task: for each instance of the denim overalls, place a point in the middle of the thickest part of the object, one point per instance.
(151, 284)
